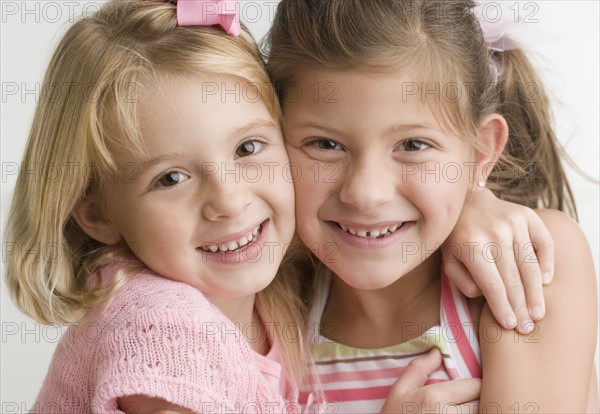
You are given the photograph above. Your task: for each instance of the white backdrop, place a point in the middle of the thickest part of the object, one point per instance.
(31, 29)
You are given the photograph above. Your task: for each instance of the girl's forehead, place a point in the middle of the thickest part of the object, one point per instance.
(442, 101)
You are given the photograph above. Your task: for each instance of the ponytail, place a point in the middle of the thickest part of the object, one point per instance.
(530, 171)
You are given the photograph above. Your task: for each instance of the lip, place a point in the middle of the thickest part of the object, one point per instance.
(250, 253)
(368, 227)
(369, 244)
(235, 236)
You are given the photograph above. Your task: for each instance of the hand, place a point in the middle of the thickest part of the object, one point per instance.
(134, 404)
(410, 394)
(504, 251)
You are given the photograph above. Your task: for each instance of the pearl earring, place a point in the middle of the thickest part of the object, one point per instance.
(481, 184)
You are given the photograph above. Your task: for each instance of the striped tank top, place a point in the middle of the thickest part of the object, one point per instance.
(357, 380)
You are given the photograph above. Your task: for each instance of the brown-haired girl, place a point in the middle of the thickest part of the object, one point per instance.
(411, 89)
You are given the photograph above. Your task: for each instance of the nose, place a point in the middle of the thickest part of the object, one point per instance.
(227, 198)
(367, 185)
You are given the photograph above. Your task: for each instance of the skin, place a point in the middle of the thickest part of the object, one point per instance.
(179, 201)
(559, 355)
(137, 234)
(369, 148)
(511, 284)
(380, 160)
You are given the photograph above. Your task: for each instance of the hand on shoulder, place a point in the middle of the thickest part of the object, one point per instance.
(548, 369)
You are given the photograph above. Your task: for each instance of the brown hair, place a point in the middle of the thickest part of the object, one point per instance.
(107, 59)
(442, 42)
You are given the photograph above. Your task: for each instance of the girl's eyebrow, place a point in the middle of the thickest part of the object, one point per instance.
(389, 131)
(157, 160)
(398, 127)
(263, 123)
(317, 126)
(236, 132)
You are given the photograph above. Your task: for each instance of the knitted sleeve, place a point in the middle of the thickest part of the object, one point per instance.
(163, 339)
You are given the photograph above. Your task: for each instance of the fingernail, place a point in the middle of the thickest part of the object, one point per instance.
(546, 278)
(510, 322)
(536, 313)
(526, 326)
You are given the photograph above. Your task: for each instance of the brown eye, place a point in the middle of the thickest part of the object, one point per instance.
(413, 145)
(248, 148)
(171, 178)
(327, 144)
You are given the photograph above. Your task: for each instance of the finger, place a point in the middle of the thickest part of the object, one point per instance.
(417, 372)
(531, 278)
(460, 276)
(544, 246)
(469, 407)
(507, 261)
(447, 394)
(486, 275)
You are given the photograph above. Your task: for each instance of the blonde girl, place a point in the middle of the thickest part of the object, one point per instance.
(382, 128)
(169, 219)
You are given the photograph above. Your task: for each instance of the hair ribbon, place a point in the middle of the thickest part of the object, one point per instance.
(495, 22)
(209, 13)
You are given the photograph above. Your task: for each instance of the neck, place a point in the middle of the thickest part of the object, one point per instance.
(242, 313)
(388, 316)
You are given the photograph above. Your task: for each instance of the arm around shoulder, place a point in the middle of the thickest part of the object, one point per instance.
(134, 404)
(549, 369)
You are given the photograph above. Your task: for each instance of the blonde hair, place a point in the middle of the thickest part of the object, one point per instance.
(106, 60)
(419, 35)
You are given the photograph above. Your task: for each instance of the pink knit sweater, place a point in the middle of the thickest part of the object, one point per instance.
(162, 339)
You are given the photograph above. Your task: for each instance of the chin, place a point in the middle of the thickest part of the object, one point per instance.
(366, 281)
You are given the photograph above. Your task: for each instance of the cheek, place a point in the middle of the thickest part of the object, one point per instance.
(313, 187)
(304, 205)
(276, 185)
(438, 187)
(308, 202)
(138, 227)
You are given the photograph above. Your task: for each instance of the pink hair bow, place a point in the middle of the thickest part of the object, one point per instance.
(209, 13)
(496, 21)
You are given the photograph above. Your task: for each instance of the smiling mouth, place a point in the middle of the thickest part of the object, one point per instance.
(233, 245)
(371, 234)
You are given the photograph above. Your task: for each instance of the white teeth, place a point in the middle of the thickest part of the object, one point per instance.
(373, 234)
(234, 244)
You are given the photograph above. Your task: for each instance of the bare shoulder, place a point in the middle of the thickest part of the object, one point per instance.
(560, 224)
(574, 266)
(550, 367)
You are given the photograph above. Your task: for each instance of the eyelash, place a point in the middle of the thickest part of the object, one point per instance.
(413, 141)
(159, 183)
(315, 143)
(423, 145)
(254, 143)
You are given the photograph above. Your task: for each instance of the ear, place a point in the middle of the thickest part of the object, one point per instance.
(88, 215)
(493, 132)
